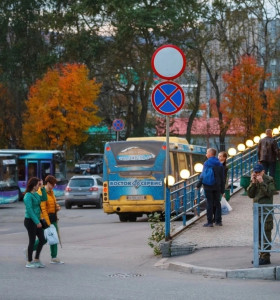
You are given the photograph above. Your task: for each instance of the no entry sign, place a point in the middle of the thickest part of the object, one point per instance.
(168, 62)
(168, 98)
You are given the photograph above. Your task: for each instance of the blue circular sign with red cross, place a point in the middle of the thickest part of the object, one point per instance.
(168, 98)
(118, 125)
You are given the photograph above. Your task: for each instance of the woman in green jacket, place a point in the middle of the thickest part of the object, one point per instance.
(32, 201)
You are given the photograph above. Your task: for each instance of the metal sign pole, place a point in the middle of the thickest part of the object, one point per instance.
(167, 197)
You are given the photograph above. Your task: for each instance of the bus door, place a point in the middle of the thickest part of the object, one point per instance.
(32, 169)
(45, 169)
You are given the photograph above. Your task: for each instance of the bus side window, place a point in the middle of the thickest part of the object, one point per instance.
(176, 167)
(183, 164)
(21, 170)
(32, 170)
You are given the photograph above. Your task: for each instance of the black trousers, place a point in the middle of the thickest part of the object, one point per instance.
(213, 200)
(34, 231)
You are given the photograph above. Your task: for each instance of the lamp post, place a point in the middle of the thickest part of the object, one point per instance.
(168, 181)
(232, 153)
(185, 174)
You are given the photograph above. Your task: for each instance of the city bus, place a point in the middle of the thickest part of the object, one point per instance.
(134, 171)
(9, 191)
(40, 163)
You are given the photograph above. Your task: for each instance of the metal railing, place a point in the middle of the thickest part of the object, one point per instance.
(263, 214)
(185, 202)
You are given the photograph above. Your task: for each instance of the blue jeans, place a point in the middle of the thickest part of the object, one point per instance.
(213, 199)
(269, 166)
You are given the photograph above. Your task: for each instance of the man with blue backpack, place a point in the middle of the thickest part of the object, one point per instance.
(212, 179)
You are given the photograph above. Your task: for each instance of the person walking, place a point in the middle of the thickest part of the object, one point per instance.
(261, 189)
(87, 172)
(268, 153)
(212, 179)
(32, 201)
(49, 210)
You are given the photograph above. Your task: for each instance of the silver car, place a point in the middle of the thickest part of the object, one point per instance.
(84, 190)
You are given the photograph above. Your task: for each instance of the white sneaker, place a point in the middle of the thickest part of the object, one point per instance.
(56, 261)
(31, 265)
(38, 264)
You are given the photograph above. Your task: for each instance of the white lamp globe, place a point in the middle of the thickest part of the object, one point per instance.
(185, 174)
(249, 143)
(198, 167)
(241, 147)
(171, 180)
(263, 135)
(256, 139)
(275, 131)
(231, 151)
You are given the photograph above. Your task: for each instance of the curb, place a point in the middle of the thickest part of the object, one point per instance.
(267, 273)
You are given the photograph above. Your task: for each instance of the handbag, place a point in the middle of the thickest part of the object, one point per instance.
(44, 223)
(51, 236)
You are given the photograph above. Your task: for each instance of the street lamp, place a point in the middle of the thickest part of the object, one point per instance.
(185, 174)
(170, 181)
(249, 143)
(275, 131)
(241, 147)
(231, 152)
(198, 167)
(256, 139)
(263, 135)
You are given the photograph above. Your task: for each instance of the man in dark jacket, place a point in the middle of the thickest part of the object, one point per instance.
(213, 191)
(268, 152)
(262, 189)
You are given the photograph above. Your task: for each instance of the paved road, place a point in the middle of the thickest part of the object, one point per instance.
(104, 259)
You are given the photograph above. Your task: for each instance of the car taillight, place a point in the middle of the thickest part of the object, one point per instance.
(93, 189)
(68, 189)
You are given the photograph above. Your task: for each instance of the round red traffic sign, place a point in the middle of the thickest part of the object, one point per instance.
(118, 125)
(168, 62)
(168, 98)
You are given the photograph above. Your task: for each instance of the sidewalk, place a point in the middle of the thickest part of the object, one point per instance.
(224, 251)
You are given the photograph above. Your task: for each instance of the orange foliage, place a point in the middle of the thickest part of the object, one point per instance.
(242, 98)
(60, 108)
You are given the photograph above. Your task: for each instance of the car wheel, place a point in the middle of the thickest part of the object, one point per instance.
(100, 203)
(68, 205)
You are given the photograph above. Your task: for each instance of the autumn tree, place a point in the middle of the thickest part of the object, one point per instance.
(242, 98)
(60, 108)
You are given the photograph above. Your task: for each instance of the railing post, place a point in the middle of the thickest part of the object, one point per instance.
(167, 214)
(232, 173)
(185, 203)
(256, 234)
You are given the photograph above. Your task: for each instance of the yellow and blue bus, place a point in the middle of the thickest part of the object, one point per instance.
(9, 191)
(40, 163)
(134, 171)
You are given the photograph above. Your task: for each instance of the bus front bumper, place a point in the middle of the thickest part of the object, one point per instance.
(133, 207)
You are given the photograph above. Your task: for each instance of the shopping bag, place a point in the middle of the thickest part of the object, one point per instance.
(225, 207)
(51, 236)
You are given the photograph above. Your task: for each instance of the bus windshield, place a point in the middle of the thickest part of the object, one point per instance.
(142, 153)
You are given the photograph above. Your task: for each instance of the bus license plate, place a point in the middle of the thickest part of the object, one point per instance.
(136, 197)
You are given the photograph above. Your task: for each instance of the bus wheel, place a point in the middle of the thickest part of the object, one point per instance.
(132, 218)
(123, 217)
(68, 205)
